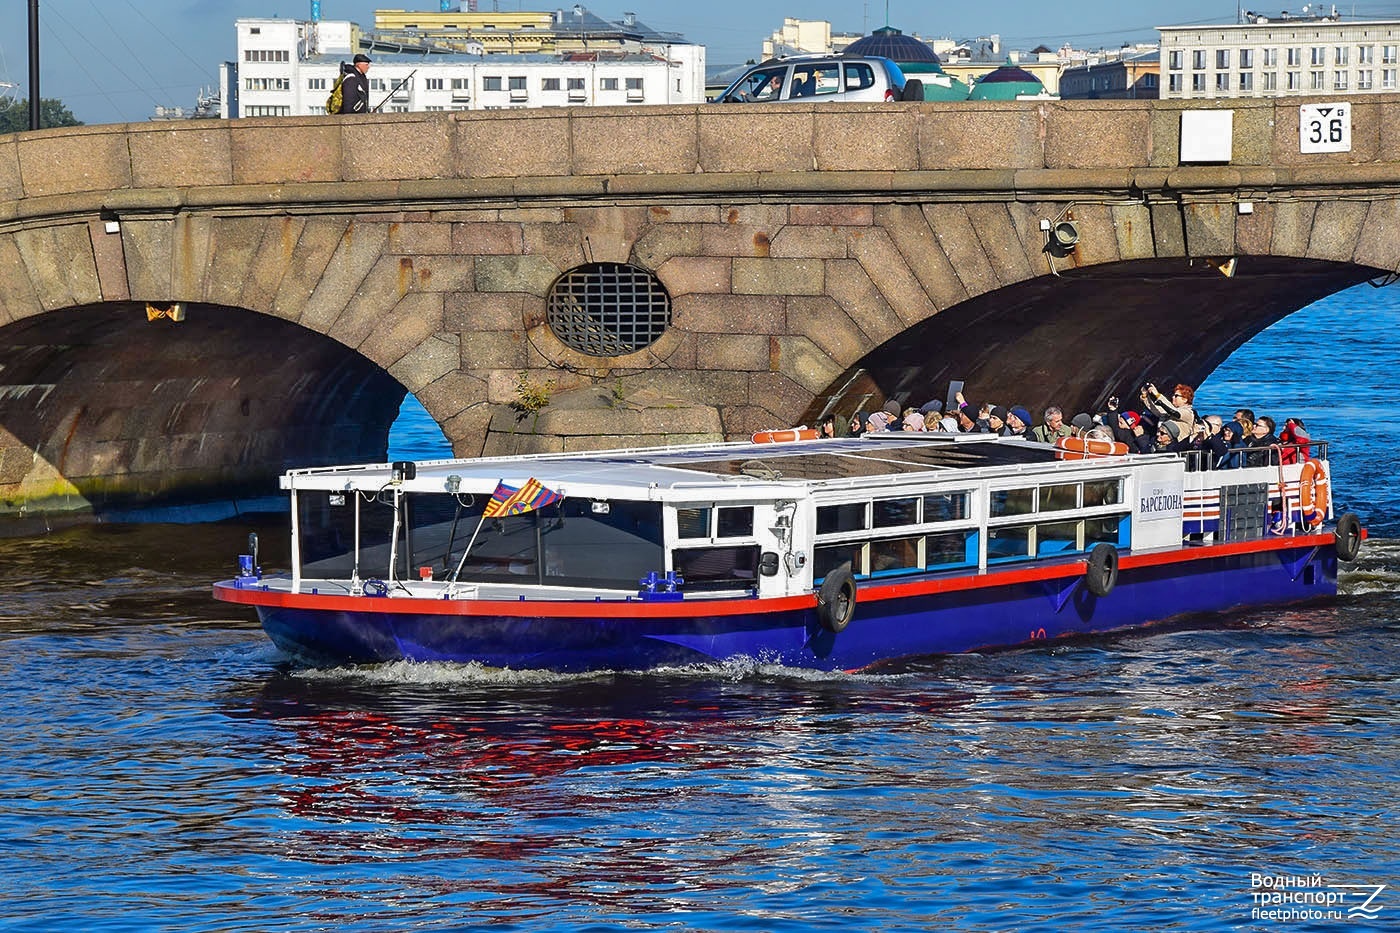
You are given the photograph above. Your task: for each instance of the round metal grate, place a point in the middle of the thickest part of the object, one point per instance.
(608, 309)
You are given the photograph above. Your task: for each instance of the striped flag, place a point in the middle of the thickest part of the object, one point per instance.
(507, 500)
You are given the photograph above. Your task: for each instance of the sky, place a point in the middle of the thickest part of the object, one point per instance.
(116, 60)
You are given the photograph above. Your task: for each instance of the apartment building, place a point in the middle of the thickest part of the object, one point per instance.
(1275, 58)
(287, 67)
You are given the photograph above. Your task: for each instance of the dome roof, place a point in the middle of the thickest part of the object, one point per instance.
(893, 44)
(1007, 83)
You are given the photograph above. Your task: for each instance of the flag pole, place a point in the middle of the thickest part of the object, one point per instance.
(452, 580)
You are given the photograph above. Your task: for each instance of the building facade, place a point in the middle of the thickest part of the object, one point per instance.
(1131, 77)
(288, 67)
(1263, 58)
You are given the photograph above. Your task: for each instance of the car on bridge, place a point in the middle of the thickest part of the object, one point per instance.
(823, 78)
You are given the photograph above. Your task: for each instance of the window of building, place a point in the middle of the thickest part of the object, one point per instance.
(1198, 59)
(1174, 84)
(491, 83)
(1318, 81)
(1174, 60)
(1295, 80)
(461, 88)
(266, 55)
(1270, 58)
(1388, 54)
(1246, 58)
(607, 84)
(1222, 58)
(1198, 83)
(1342, 54)
(634, 88)
(1366, 55)
(1319, 55)
(549, 84)
(1363, 79)
(1269, 81)
(430, 107)
(1222, 82)
(267, 111)
(1295, 58)
(315, 84)
(433, 84)
(267, 84)
(1339, 80)
(1388, 79)
(517, 82)
(1246, 80)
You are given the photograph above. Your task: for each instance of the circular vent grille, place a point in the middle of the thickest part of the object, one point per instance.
(608, 309)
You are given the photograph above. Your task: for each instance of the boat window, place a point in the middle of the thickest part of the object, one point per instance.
(735, 522)
(946, 506)
(1103, 492)
(848, 516)
(889, 513)
(1059, 497)
(1012, 502)
(828, 557)
(1114, 530)
(326, 534)
(953, 549)
(1057, 538)
(692, 523)
(716, 567)
(895, 554)
(1009, 542)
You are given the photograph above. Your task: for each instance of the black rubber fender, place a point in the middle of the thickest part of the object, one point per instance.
(1348, 535)
(913, 90)
(1101, 575)
(836, 600)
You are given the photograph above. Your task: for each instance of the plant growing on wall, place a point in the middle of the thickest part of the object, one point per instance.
(530, 397)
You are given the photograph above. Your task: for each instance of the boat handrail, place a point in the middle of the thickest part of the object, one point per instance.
(1253, 457)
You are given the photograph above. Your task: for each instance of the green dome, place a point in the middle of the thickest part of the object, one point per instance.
(1007, 83)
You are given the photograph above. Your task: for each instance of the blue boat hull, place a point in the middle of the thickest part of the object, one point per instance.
(892, 620)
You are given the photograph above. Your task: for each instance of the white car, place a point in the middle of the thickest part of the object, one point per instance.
(821, 78)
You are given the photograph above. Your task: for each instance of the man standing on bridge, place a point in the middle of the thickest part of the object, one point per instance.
(355, 89)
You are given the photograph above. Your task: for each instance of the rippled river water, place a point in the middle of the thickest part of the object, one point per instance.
(163, 768)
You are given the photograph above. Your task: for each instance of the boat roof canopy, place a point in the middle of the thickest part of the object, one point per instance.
(755, 469)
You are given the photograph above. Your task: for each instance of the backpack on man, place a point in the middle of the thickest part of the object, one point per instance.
(337, 99)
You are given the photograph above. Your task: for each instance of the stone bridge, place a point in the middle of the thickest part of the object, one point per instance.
(657, 274)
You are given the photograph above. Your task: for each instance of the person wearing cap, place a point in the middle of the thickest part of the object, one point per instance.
(1018, 422)
(354, 90)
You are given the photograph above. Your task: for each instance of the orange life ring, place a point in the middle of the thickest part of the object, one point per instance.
(1314, 493)
(781, 437)
(1085, 448)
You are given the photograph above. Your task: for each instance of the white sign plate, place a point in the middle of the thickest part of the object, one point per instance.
(1324, 127)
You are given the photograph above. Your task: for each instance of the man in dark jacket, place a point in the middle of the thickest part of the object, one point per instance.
(354, 91)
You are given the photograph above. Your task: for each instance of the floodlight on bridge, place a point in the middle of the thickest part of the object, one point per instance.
(1064, 234)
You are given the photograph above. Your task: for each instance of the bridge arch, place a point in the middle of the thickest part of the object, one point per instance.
(425, 245)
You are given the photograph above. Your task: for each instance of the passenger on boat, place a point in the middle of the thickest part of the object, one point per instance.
(1177, 408)
(1052, 428)
(913, 421)
(1245, 418)
(1260, 440)
(1018, 422)
(1295, 441)
(895, 409)
(1167, 438)
(1231, 445)
(1083, 423)
(877, 421)
(996, 421)
(963, 414)
(858, 423)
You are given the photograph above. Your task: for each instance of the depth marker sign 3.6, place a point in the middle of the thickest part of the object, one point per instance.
(1324, 127)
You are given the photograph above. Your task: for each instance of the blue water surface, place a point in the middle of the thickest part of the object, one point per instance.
(162, 767)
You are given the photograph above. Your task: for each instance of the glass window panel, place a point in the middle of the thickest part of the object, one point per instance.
(894, 554)
(1104, 529)
(1103, 492)
(693, 523)
(1012, 502)
(849, 516)
(1056, 538)
(828, 558)
(947, 549)
(889, 513)
(1057, 498)
(735, 522)
(1008, 543)
(716, 567)
(945, 506)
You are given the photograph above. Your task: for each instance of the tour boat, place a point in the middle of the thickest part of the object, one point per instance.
(839, 554)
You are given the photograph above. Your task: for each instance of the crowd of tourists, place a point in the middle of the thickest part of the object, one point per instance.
(1159, 423)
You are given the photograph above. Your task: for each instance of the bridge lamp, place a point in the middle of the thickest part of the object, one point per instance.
(1064, 234)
